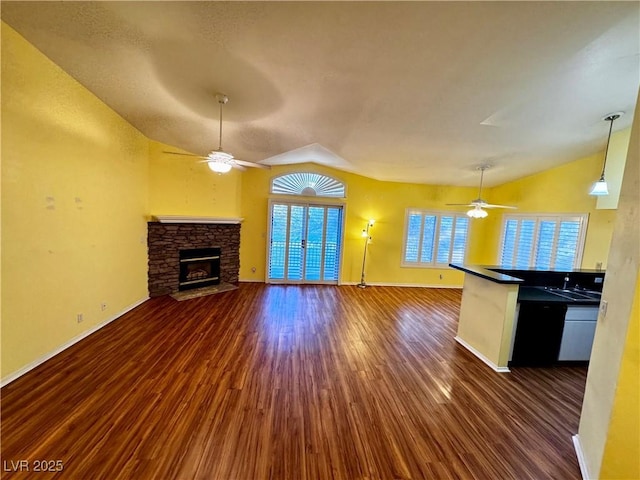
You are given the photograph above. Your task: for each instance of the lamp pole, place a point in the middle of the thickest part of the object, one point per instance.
(367, 239)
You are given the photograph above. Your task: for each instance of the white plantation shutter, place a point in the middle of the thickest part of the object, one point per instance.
(459, 239)
(428, 238)
(566, 253)
(332, 244)
(543, 241)
(526, 241)
(434, 239)
(412, 237)
(444, 239)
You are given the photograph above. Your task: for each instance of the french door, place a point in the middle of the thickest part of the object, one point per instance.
(305, 243)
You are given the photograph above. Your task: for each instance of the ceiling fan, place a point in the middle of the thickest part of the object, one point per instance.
(479, 204)
(218, 160)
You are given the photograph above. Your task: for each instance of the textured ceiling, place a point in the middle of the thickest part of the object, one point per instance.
(404, 91)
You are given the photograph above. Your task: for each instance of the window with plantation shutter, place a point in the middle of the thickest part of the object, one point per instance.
(546, 242)
(434, 239)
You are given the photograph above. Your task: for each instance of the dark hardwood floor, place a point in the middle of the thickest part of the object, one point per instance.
(288, 382)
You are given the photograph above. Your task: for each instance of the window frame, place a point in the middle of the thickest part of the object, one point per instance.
(438, 214)
(583, 218)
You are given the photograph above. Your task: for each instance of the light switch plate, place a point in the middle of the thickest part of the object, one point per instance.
(603, 309)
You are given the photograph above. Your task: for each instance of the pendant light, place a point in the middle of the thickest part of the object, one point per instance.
(600, 187)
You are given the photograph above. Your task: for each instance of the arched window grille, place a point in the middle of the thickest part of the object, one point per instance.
(308, 184)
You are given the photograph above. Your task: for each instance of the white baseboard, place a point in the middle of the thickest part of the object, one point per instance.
(374, 284)
(584, 471)
(482, 357)
(408, 285)
(17, 374)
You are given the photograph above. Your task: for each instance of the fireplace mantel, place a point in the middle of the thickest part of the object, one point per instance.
(190, 219)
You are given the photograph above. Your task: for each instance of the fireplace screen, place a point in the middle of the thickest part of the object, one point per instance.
(199, 267)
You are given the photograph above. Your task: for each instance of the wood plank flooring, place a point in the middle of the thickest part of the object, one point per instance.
(290, 382)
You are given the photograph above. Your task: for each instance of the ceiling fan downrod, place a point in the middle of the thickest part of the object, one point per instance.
(482, 168)
(222, 100)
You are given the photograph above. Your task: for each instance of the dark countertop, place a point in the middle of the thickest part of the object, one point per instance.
(531, 287)
(590, 279)
(538, 294)
(483, 272)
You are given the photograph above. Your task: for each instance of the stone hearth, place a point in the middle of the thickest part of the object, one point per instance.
(165, 240)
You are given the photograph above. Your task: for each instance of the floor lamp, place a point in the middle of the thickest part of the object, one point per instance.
(367, 239)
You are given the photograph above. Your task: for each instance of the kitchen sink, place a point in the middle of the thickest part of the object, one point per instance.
(573, 294)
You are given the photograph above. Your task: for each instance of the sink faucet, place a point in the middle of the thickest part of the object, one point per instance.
(566, 282)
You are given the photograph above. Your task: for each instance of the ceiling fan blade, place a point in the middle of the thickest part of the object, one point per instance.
(488, 205)
(244, 163)
(238, 167)
(184, 154)
(479, 203)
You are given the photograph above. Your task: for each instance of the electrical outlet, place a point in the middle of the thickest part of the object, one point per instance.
(79, 317)
(103, 306)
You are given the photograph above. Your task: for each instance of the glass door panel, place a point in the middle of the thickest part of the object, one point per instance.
(305, 243)
(278, 248)
(315, 242)
(296, 242)
(332, 244)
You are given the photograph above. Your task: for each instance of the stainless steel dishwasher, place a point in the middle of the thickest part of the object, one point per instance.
(578, 333)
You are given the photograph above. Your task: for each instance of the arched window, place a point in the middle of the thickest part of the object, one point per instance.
(307, 184)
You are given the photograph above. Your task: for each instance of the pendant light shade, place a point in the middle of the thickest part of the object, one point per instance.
(600, 187)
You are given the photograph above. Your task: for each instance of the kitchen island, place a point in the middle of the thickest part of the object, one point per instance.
(492, 300)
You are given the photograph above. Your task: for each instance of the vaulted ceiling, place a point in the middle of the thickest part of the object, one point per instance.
(404, 91)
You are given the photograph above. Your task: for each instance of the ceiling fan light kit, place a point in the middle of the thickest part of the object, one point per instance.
(477, 212)
(219, 161)
(600, 187)
(219, 166)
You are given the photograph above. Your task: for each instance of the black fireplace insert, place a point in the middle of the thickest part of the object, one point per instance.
(199, 267)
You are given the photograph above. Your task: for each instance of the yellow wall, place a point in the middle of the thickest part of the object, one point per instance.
(385, 202)
(622, 449)
(562, 189)
(180, 185)
(74, 200)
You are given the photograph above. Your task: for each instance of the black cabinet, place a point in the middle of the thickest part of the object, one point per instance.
(538, 334)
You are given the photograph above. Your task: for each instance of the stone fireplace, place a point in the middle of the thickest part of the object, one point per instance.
(182, 253)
